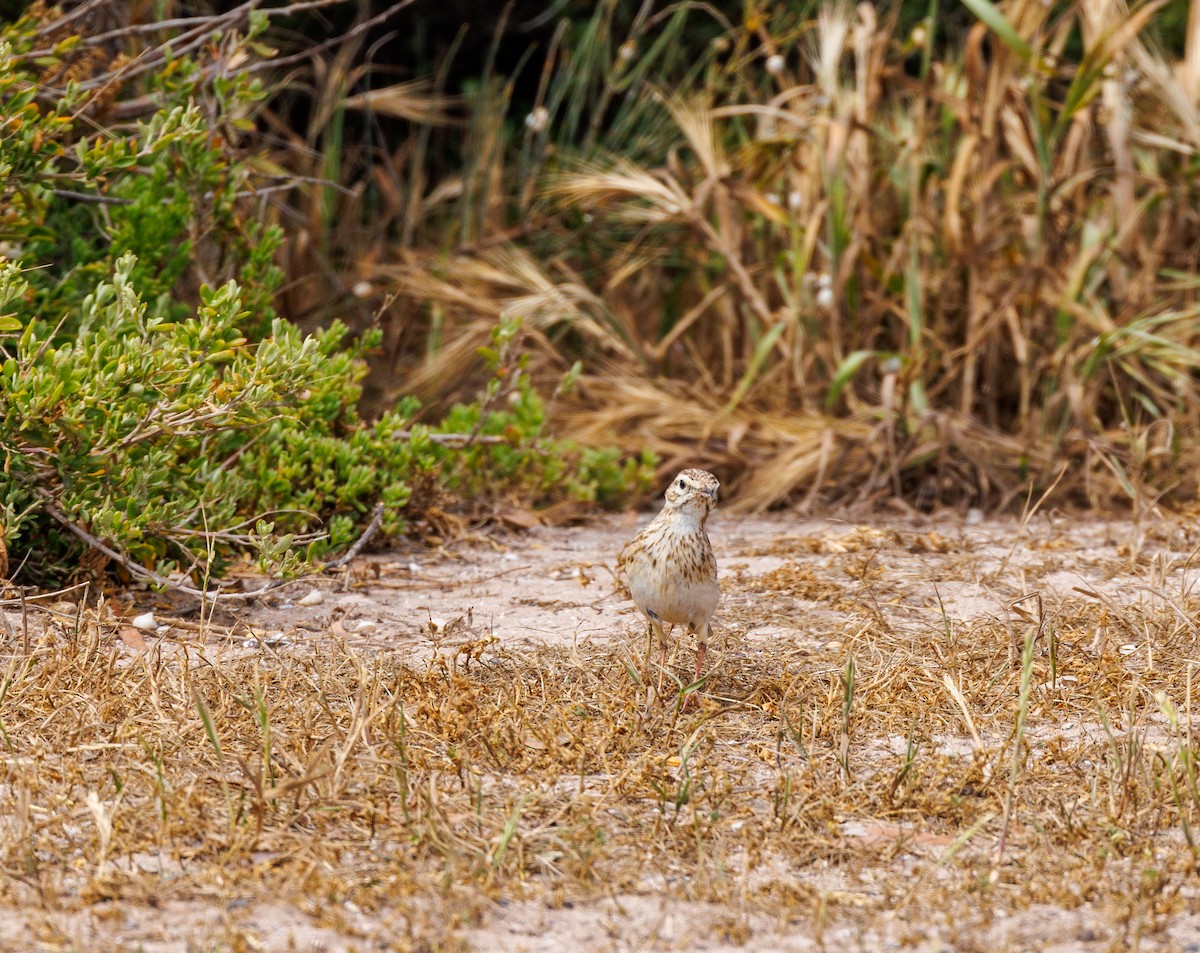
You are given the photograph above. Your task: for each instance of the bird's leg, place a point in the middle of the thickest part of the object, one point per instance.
(662, 665)
(649, 646)
(702, 638)
(654, 628)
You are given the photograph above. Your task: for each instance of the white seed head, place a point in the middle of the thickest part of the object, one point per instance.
(538, 120)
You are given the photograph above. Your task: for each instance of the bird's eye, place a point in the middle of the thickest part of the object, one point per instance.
(682, 485)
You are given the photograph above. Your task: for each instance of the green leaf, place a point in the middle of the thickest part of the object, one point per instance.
(768, 341)
(990, 15)
(844, 374)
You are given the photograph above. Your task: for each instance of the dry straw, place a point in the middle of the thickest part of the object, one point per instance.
(873, 263)
(881, 757)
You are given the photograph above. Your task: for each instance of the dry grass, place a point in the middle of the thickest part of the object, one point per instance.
(877, 265)
(895, 769)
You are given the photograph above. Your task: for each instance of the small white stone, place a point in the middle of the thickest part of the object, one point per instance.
(775, 64)
(314, 598)
(366, 626)
(364, 289)
(146, 622)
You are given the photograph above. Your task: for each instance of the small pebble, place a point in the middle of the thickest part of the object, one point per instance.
(314, 598)
(146, 622)
(274, 639)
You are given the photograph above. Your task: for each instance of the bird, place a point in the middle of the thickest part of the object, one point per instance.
(670, 567)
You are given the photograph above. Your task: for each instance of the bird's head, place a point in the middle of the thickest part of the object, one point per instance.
(693, 490)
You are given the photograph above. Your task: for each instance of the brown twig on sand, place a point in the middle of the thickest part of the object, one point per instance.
(371, 530)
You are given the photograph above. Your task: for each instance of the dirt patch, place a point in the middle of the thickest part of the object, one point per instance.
(935, 733)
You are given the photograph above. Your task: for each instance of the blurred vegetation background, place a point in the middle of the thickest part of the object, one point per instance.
(919, 253)
(940, 253)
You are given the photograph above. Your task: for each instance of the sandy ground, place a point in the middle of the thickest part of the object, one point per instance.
(556, 586)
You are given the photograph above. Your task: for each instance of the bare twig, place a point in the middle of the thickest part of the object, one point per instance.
(91, 197)
(146, 575)
(333, 41)
(80, 11)
(371, 530)
(456, 440)
(139, 106)
(198, 31)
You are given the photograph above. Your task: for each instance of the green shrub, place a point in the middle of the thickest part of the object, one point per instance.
(153, 407)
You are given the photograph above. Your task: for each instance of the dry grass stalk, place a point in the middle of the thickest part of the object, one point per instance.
(920, 269)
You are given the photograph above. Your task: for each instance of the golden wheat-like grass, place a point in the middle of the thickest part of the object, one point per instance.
(940, 289)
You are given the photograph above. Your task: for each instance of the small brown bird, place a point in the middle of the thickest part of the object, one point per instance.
(670, 566)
